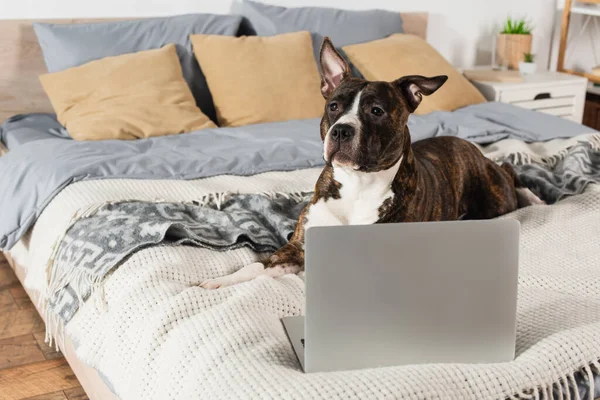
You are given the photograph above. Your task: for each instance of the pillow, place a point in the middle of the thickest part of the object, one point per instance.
(255, 79)
(343, 27)
(131, 96)
(399, 55)
(70, 45)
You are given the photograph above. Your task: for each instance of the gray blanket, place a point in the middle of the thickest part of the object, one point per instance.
(42, 160)
(95, 245)
(570, 175)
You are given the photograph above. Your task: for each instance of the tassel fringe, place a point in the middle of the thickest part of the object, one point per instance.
(564, 388)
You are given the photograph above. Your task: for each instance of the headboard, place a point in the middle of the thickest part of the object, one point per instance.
(21, 62)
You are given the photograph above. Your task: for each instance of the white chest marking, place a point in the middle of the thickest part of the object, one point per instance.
(361, 195)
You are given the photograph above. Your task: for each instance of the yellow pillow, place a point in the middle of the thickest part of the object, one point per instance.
(255, 79)
(401, 54)
(131, 96)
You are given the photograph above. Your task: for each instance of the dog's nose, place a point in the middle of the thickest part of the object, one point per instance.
(342, 132)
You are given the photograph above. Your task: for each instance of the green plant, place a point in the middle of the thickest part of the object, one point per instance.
(516, 27)
(528, 57)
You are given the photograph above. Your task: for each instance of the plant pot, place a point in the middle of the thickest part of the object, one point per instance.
(527, 68)
(511, 48)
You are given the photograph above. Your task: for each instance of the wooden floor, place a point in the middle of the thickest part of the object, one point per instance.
(29, 369)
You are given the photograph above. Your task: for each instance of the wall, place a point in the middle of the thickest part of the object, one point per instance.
(462, 30)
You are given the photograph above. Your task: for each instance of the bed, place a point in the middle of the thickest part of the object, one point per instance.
(150, 332)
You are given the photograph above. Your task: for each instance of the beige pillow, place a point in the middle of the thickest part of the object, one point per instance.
(401, 54)
(255, 79)
(131, 96)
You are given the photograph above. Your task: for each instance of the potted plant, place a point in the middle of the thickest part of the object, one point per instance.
(527, 66)
(513, 41)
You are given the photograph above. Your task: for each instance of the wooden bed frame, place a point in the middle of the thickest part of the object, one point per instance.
(21, 63)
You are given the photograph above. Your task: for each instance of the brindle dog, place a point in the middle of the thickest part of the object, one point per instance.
(374, 174)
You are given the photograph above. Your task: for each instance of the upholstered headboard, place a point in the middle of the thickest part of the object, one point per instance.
(21, 62)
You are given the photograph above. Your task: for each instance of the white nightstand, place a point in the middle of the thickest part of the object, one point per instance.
(549, 92)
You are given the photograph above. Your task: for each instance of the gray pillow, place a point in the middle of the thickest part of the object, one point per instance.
(70, 45)
(344, 27)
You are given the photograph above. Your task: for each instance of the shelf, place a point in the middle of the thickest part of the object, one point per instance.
(590, 8)
(593, 11)
(590, 77)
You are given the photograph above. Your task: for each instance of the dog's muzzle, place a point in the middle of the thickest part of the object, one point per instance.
(342, 132)
(337, 141)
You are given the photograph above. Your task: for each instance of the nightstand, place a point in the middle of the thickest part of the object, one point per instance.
(553, 93)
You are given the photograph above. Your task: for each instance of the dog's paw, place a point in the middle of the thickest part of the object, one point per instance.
(215, 283)
(526, 198)
(245, 274)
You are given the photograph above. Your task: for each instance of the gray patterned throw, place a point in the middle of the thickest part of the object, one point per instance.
(563, 176)
(103, 237)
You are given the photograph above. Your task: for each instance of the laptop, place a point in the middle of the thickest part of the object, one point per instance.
(409, 293)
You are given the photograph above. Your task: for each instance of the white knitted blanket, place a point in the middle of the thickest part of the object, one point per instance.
(158, 335)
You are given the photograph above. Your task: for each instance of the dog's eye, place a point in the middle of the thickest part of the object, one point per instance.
(333, 107)
(377, 111)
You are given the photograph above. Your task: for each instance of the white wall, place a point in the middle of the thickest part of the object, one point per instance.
(462, 30)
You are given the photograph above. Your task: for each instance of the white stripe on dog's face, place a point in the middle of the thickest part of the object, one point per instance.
(349, 117)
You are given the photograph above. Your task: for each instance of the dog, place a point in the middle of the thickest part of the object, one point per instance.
(373, 173)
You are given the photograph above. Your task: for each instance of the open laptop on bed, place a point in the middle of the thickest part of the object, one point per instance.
(393, 294)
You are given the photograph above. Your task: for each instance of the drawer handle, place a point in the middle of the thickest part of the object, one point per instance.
(542, 96)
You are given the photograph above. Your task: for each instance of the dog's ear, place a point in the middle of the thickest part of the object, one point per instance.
(334, 68)
(413, 87)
